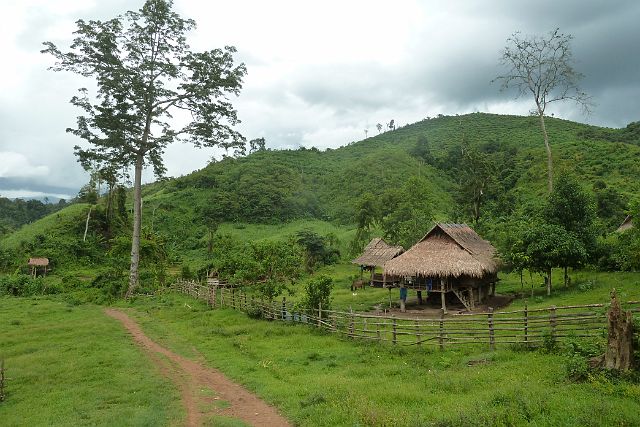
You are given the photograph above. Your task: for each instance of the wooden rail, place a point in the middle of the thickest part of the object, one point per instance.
(528, 327)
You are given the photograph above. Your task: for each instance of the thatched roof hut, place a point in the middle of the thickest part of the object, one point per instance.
(449, 258)
(377, 253)
(626, 224)
(448, 250)
(38, 262)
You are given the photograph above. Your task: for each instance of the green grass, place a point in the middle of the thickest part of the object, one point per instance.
(317, 379)
(73, 365)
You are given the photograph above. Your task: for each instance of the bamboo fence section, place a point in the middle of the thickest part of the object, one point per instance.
(528, 327)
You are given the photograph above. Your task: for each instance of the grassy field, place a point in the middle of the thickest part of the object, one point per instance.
(72, 365)
(79, 367)
(321, 380)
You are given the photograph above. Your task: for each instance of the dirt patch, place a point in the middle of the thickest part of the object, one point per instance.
(430, 310)
(203, 388)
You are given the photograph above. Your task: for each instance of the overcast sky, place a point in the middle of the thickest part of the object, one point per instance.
(319, 72)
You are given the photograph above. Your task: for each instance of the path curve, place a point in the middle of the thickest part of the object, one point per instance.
(192, 377)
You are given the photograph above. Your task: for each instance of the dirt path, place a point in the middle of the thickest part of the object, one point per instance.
(193, 379)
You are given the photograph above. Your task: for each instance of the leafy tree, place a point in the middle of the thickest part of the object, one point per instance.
(145, 72)
(318, 293)
(257, 144)
(572, 208)
(549, 246)
(407, 214)
(542, 66)
(476, 173)
(422, 150)
(611, 205)
(379, 127)
(317, 249)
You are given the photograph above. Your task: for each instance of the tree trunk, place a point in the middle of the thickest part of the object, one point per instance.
(619, 354)
(566, 277)
(549, 282)
(548, 148)
(86, 224)
(137, 223)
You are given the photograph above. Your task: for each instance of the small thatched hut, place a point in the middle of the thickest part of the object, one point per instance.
(376, 254)
(626, 224)
(36, 264)
(449, 258)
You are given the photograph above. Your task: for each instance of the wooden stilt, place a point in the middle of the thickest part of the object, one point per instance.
(442, 296)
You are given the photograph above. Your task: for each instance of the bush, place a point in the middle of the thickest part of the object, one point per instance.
(318, 291)
(24, 285)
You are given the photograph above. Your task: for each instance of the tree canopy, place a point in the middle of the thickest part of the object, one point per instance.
(152, 89)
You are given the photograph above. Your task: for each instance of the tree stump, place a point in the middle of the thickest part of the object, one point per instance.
(619, 353)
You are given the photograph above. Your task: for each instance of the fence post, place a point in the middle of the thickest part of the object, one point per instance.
(319, 314)
(553, 322)
(526, 325)
(492, 338)
(244, 296)
(378, 335)
(351, 322)
(283, 312)
(2, 379)
(418, 339)
(394, 338)
(222, 297)
(233, 298)
(334, 323)
(441, 334)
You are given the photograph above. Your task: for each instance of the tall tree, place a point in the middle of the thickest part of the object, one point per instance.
(542, 66)
(145, 72)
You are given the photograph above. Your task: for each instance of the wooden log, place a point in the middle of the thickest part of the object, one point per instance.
(619, 354)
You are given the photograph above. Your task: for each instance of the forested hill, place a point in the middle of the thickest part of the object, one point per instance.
(477, 168)
(439, 160)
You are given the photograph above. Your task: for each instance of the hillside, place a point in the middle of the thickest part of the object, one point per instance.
(322, 190)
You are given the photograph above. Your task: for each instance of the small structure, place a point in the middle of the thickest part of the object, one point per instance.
(449, 258)
(376, 254)
(626, 224)
(38, 265)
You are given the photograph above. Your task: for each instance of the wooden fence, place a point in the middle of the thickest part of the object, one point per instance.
(2, 380)
(529, 327)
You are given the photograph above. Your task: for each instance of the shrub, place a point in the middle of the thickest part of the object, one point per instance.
(318, 291)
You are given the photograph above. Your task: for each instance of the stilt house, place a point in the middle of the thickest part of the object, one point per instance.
(38, 265)
(376, 254)
(451, 258)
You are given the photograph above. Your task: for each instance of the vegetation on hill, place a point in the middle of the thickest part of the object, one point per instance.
(15, 213)
(484, 169)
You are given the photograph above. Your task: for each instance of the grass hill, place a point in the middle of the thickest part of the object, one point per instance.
(253, 196)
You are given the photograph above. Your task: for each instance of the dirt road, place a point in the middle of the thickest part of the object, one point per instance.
(205, 391)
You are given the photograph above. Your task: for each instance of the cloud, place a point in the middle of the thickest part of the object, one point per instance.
(319, 73)
(16, 165)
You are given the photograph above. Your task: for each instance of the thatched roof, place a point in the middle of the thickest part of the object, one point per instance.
(448, 250)
(377, 252)
(626, 224)
(38, 262)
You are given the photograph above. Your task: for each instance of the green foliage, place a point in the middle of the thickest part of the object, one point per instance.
(317, 250)
(407, 215)
(15, 213)
(318, 292)
(572, 207)
(24, 285)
